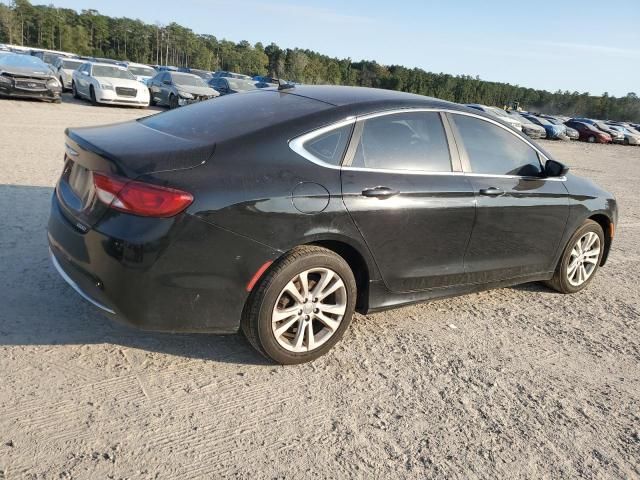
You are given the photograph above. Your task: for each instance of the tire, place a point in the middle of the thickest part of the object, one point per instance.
(271, 297)
(173, 102)
(591, 139)
(62, 84)
(626, 141)
(74, 90)
(92, 95)
(561, 280)
(57, 100)
(152, 102)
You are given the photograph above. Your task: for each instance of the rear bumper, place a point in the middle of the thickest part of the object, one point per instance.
(180, 274)
(79, 290)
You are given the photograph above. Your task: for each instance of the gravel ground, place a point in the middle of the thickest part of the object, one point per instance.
(511, 383)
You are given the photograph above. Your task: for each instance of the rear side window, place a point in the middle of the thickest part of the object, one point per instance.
(330, 146)
(404, 141)
(493, 150)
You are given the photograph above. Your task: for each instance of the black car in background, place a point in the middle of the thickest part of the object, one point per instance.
(24, 76)
(227, 85)
(280, 212)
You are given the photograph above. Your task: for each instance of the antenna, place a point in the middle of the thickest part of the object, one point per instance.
(281, 85)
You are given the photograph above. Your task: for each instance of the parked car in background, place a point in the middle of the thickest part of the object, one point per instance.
(64, 68)
(143, 73)
(226, 74)
(25, 76)
(280, 213)
(554, 132)
(589, 133)
(203, 74)
(227, 85)
(529, 128)
(265, 79)
(104, 83)
(50, 56)
(616, 135)
(572, 133)
(498, 113)
(175, 89)
(630, 138)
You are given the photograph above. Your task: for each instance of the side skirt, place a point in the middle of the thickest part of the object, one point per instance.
(380, 298)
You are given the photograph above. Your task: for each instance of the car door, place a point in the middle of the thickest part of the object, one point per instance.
(521, 215)
(403, 187)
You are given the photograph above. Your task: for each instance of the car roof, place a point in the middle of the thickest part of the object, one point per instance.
(340, 96)
(103, 64)
(134, 64)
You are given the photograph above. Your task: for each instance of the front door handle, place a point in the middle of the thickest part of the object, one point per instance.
(492, 191)
(379, 192)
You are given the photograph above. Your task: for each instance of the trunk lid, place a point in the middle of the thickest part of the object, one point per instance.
(128, 150)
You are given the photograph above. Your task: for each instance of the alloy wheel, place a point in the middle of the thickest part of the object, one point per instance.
(584, 259)
(309, 310)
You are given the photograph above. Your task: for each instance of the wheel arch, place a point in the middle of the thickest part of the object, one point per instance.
(605, 223)
(358, 264)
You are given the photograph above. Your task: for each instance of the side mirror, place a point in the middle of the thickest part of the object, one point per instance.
(167, 82)
(555, 169)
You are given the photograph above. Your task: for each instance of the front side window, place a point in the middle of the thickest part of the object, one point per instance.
(404, 141)
(330, 146)
(494, 150)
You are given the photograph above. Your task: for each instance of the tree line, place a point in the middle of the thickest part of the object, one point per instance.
(90, 33)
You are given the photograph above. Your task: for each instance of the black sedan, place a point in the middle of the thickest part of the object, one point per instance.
(24, 76)
(280, 212)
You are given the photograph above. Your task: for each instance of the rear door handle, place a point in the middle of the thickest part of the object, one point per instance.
(492, 192)
(379, 192)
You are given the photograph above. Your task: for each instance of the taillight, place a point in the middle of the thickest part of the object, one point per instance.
(140, 198)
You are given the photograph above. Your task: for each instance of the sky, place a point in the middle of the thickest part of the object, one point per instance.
(587, 46)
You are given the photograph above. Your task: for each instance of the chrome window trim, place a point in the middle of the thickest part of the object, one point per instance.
(297, 145)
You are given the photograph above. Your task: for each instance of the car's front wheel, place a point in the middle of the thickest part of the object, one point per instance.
(173, 102)
(580, 259)
(92, 96)
(74, 90)
(301, 307)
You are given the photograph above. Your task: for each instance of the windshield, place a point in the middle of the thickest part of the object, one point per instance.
(49, 57)
(111, 72)
(23, 61)
(71, 64)
(142, 71)
(241, 85)
(187, 80)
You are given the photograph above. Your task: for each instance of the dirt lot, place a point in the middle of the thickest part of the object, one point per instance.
(512, 383)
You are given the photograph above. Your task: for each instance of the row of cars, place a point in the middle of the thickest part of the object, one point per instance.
(557, 127)
(44, 74)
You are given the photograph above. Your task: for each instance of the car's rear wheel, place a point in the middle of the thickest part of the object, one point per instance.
(301, 307)
(92, 95)
(580, 259)
(74, 90)
(173, 102)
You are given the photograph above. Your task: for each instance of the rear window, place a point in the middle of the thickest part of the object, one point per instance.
(232, 115)
(329, 147)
